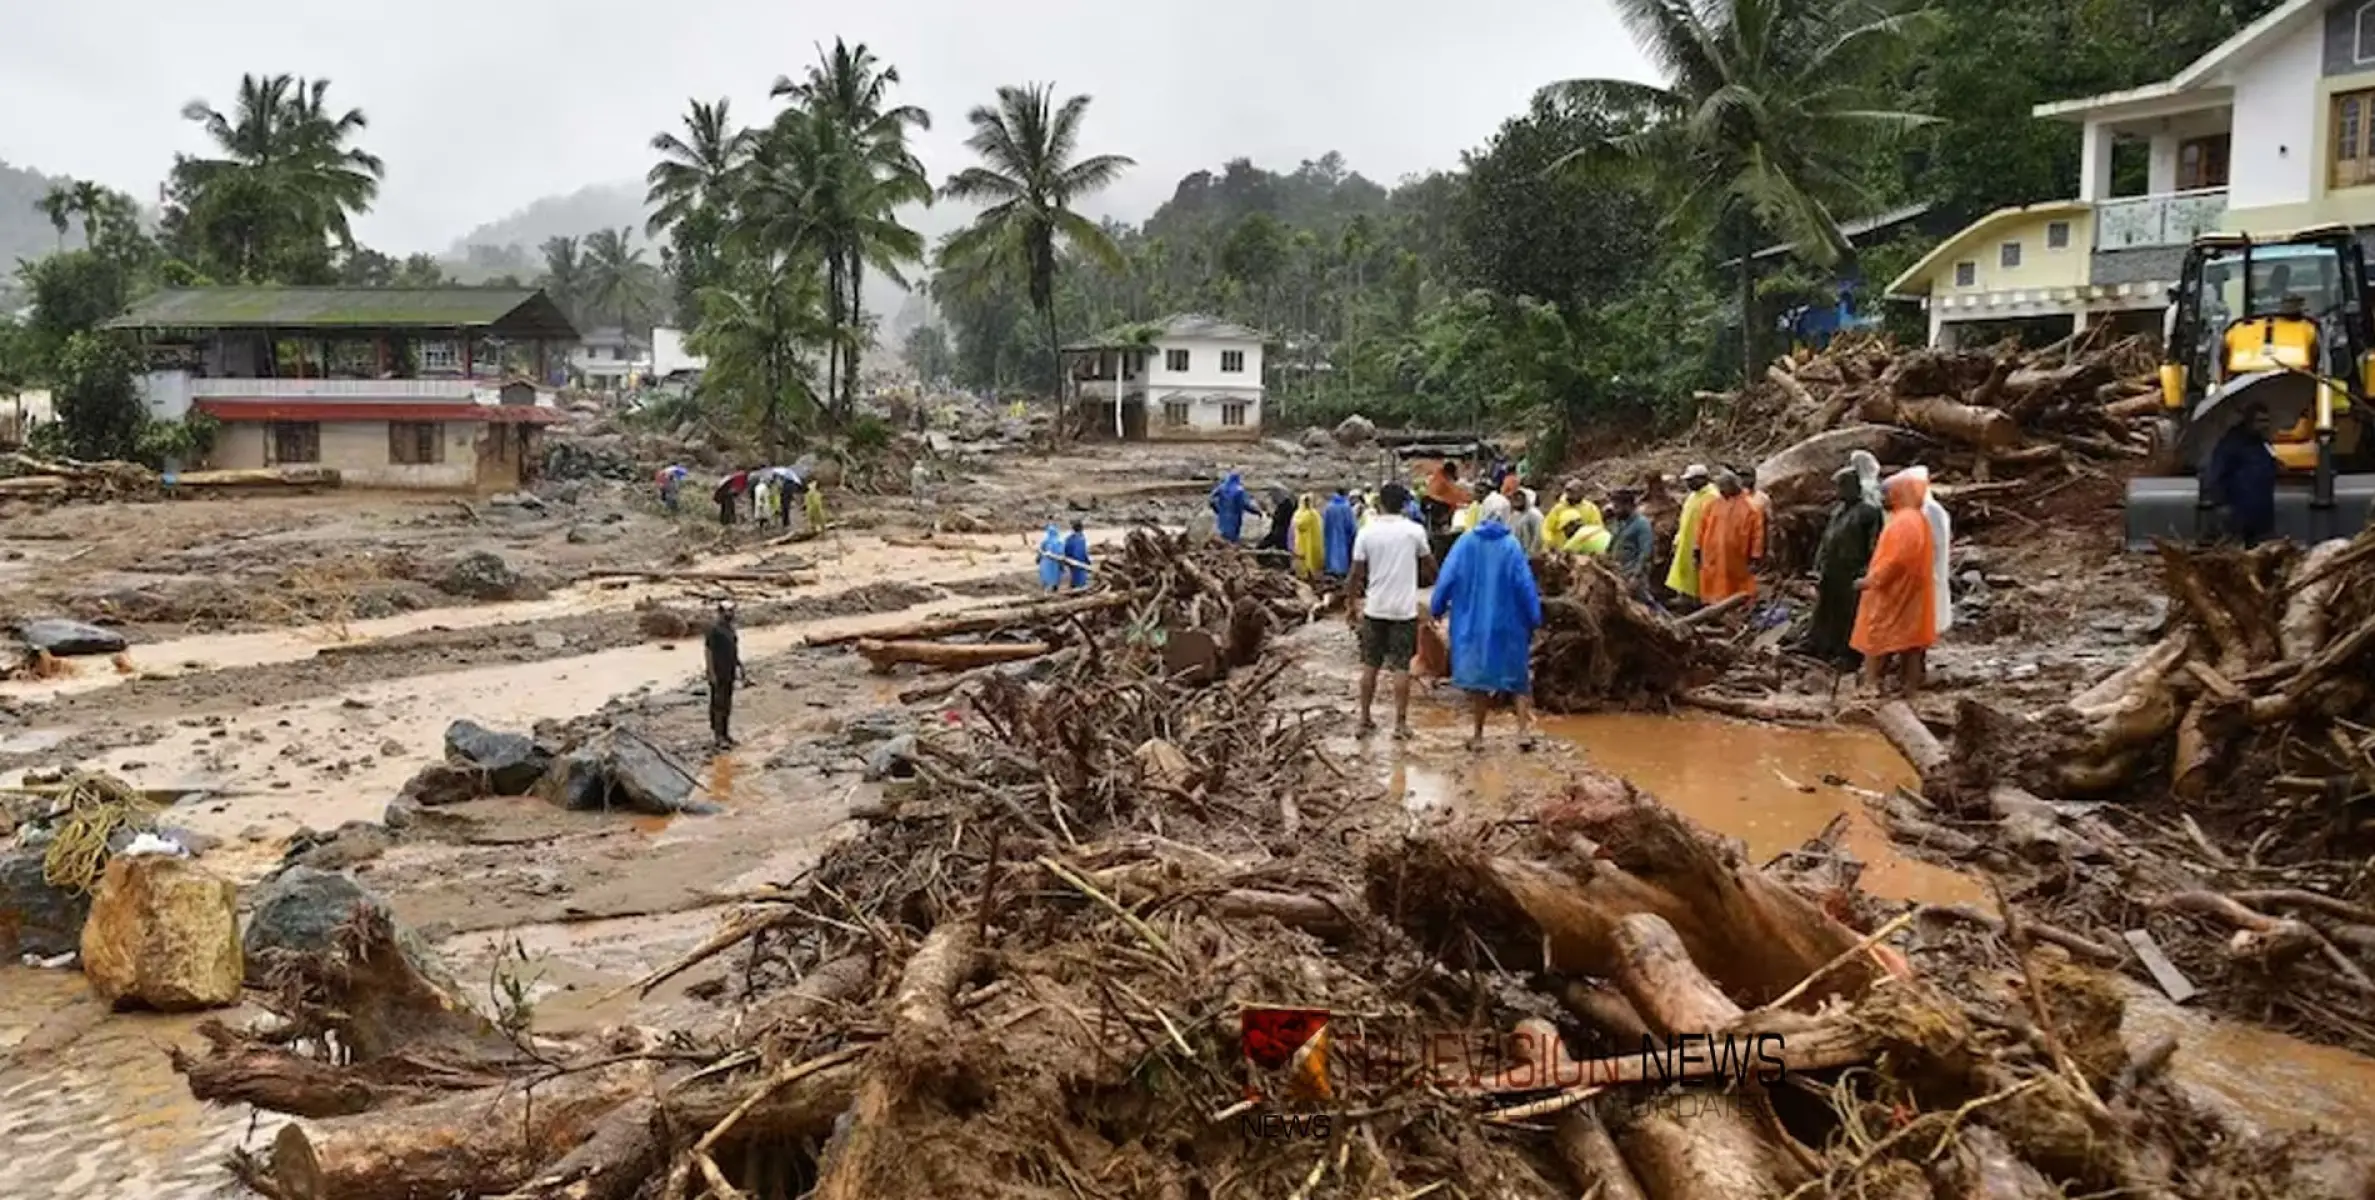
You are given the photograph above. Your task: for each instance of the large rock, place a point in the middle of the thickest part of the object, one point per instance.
(484, 575)
(510, 762)
(64, 638)
(36, 918)
(298, 909)
(164, 933)
(619, 769)
(440, 784)
(1355, 430)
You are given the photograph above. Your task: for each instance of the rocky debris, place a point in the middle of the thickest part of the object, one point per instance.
(298, 909)
(62, 638)
(440, 784)
(349, 845)
(163, 933)
(509, 763)
(892, 759)
(1316, 439)
(486, 575)
(668, 623)
(620, 769)
(35, 917)
(1356, 431)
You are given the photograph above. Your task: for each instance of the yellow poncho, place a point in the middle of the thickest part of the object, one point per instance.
(816, 507)
(1563, 519)
(1683, 576)
(1588, 538)
(1311, 543)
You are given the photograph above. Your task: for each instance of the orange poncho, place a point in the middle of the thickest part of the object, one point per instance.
(1731, 532)
(1894, 613)
(1445, 490)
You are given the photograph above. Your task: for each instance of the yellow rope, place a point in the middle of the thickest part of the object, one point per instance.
(96, 807)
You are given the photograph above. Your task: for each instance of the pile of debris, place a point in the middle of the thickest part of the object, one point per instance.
(24, 477)
(1601, 647)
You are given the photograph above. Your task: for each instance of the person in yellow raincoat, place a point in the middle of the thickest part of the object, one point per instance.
(814, 507)
(1683, 577)
(1310, 539)
(1589, 537)
(1559, 523)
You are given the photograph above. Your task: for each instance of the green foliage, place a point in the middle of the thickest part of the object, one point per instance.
(98, 403)
(273, 201)
(185, 440)
(869, 434)
(927, 353)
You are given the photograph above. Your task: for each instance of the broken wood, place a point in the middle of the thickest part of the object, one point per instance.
(1024, 616)
(947, 656)
(2172, 981)
(1904, 730)
(1592, 1159)
(919, 1018)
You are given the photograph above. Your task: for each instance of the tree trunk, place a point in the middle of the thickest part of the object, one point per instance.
(857, 325)
(861, 1161)
(833, 352)
(945, 657)
(1020, 617)
(1748, 335)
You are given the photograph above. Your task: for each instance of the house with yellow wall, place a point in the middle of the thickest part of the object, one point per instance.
(2272, 130)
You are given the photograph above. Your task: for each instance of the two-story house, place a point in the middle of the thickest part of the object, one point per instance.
(606, 359)
(392, 387)
(1186, 375)
(2271, 131)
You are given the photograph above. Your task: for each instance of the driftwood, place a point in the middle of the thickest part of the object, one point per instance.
(944, 656)
(1020, 617)
(858, 1160)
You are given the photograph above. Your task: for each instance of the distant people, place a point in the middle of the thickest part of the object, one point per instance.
(1310, 538)
(1683, 577)
(1076, 548)
(1488, 589)
(762, 496)
(1280, 539)
(1842, 559)
(1338, 528)
(1385, 572)
(1896, 620)
(919, 476)
(2242, 476)
(671, 483)
(1731, 542)
(728, 490)
(1559, 523)
(1633, 543)
(1230, 505)
(815, 507)
(1051, 558)
(1525, 523)
(1445, 497)
(723, 650)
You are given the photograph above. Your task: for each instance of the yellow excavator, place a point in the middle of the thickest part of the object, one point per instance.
(2275, 324)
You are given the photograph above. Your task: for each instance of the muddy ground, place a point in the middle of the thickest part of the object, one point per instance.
(288, 715)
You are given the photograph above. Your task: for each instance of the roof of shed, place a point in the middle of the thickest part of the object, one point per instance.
(511, 312)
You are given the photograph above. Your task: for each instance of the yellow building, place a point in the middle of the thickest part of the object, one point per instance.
(2272, 130)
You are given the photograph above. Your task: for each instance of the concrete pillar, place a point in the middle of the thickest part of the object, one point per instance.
(1942, 333)
(2094, 162)
(2079, 320)
(2161, 177)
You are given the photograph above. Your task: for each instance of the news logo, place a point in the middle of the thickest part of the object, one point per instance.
(1292, 1040)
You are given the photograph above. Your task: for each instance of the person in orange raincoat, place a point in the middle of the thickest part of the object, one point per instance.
(1731, 544)
(1895, 622)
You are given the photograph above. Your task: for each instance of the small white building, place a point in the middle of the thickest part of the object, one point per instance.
(606, 359)
(669, 355)
(1185, 376)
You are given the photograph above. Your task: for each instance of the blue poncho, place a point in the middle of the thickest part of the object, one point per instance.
(1229, 506)
(1338, 527)
(1051, 572)
(1489, 590)
(1076, 548)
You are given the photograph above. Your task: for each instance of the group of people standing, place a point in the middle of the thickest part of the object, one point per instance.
(1882, 589)
(770, 489)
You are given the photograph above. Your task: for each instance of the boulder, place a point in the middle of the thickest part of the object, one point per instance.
(509, 762)
(440, 784)
(163, 933)
(1315, 439)
(1355, 430)
(64, 639)
(298, 909)
(36, 918)
(619, 769)
(349, 845)
(485, 575)
(893, 759)
(668, 623)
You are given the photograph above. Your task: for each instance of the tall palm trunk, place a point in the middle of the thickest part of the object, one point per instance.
(833, 274)
(857, 324)
(1748, 332)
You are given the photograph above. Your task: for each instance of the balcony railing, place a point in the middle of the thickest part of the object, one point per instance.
(2168, 219)
(334, 389)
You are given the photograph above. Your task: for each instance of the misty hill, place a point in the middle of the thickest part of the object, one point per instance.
(24, 232)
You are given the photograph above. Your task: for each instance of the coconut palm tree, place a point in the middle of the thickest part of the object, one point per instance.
(58, 205)
(618, 280)
(862, 139)
(1029, 178)
(1760, 124)
(564, 278)
(758, 328)
(696, 172)
(285, 177)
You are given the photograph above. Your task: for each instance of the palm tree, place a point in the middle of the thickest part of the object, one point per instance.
(58, 205)
(1029, 179)
(691, 191)
(863, 139)
(757, 328)
(285, 173)
(90, 200)
(1761, 123)
(618, 280)
(564, 278)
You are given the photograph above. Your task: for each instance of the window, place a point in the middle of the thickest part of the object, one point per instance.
(1232, 361)
(2008, 255)
(415, 443)
(2354, 126)
(1175, 360)
(1175, 413)
(1232, 414)
(1966, 274)
(2202, 162)
(2362, 41)
(440, 356)
(2057, 235)
(296, 442)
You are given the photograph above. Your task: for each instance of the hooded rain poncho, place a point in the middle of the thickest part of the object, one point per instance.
(1229, 506)
(1311, 551)
(1731, 533)
(1489, 590)
(1338, 528)
(1683, 576)
(1076, 548)
(1845, 553)
(1941, 539)
(1894, 613)
(1051, 572)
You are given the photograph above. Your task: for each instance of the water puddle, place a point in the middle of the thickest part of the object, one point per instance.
(2273, 1080)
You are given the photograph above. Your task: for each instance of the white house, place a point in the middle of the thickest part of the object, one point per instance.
(669, 355)
(1187, 375)
(605, 359)
(2271, 131)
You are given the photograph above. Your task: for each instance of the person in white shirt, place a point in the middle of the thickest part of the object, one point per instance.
(1385, 569)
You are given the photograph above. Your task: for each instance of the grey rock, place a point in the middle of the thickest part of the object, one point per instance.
(484, 575)
(440, 784)
(546, 639)
(878, 724)
(1316, 439)
(66, 639)
(620, 769)
(349, 845)
(587, 535)
(299, 910)
(509, 762)
(893, 759)
(36, 918)
(1355, 430)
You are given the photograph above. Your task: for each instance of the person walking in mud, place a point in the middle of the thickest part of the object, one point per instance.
(1385, 577)
(1488, 588)
(723, 648)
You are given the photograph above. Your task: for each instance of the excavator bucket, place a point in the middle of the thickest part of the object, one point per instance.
(2173, 507)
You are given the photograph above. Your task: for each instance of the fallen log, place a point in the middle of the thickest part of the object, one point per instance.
(1022, 616)
(1983, 428)
(243, 1070)
(944, 656)
(859, 1162)
(778, 578)
(1591, 1157)
(1801, 473)
(1904, 730)
(257, 479)
(1779, 710)
(2303, 628)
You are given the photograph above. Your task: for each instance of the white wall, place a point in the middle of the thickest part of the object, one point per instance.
(358, 451)
(166, 394)
(1203, 365)
(2169, 134)
(668, 353)
(2276, 156)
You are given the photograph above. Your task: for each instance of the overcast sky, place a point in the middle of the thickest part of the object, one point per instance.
(481, 106)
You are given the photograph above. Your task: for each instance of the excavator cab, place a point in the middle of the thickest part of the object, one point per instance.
(2277, 326)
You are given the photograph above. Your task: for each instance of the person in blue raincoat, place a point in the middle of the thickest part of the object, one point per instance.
(1076, 548)
(1488, 588)
(1229, 506)
(1338, 527)
(1051, 549)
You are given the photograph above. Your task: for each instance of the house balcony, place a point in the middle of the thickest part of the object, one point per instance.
(2168, 219)
(395, 390)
